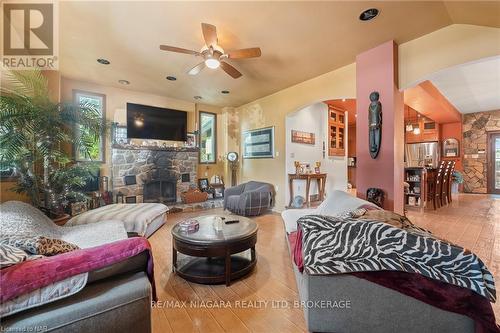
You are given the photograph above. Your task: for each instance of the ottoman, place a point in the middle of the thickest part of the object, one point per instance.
(143, 218)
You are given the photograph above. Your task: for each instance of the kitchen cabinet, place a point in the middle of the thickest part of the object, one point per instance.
(429, 131)
(336, 131)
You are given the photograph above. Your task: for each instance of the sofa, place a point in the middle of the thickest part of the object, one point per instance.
(249, 199)
(142, 219)
(115, 298)
(373, 308)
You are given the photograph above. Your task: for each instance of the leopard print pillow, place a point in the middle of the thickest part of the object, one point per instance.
(40, 245)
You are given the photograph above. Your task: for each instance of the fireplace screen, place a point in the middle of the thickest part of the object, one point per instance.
(161, 190)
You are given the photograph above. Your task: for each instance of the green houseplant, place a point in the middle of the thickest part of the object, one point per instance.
(34, 137)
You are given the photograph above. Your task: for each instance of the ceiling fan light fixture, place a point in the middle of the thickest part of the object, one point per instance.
(212, 63)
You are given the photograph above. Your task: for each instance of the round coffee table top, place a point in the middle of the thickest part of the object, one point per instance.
(207, 233)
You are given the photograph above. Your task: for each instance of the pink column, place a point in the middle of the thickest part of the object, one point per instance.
(377, 70)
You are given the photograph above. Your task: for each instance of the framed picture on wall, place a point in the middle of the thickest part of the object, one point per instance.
(303, 137)
(451, 148)
(258, 143)
(191, 140)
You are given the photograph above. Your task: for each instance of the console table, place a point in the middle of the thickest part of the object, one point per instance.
(320, 179)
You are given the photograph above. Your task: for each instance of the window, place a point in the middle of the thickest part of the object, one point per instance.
(96, 152)
(208, 137)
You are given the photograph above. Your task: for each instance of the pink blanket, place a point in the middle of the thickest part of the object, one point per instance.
(31, 275)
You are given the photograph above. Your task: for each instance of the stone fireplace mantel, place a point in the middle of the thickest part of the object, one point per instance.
(154, 148)
(152, 163)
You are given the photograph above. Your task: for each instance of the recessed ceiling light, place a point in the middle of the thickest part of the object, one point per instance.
(224, 92)
(125, 82)
(197, 97)
(369, 14)
(103, 61)
(171, 78)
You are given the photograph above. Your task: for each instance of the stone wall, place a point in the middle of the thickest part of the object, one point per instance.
(149, 163)
(475, 141)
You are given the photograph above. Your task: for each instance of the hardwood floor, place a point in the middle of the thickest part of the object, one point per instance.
(272, 280)
(472, 221)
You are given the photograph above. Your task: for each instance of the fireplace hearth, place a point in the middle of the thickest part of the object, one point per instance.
(160, 190)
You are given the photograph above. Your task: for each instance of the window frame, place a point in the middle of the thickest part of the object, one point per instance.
(76, 93)
(214, 136)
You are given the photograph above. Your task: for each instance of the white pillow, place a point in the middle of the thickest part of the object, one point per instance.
(338, 202)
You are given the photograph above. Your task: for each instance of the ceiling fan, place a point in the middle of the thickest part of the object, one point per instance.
(213, 54)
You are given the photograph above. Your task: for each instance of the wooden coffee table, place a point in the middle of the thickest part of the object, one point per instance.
(212, 258)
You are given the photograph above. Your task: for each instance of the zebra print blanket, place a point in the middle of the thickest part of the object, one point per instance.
(336, 245)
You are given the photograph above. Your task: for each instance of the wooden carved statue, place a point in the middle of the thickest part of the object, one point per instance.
(374, 124)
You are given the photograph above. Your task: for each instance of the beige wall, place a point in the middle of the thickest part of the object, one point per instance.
(451, 46)
(116, 103)
(272, 111)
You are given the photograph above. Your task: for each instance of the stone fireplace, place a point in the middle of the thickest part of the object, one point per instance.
(161, 174)
(160, 190)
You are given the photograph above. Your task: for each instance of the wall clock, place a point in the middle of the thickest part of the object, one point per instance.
(232, 157)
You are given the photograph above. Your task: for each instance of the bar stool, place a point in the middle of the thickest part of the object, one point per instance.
(444, 185)
(435, 188)
(450, 180)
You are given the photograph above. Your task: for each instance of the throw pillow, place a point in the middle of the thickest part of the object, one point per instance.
(40, 245)
(10, 255)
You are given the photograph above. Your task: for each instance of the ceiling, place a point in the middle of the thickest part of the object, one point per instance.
(299, 40)
(472, 87)
(427, 100)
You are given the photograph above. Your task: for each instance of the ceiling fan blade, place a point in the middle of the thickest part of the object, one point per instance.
(209, 34)
(252, 52)
(233, 72)
(196, 69)
(178, 50)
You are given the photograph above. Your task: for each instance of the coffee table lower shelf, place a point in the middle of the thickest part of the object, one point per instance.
(213, 270)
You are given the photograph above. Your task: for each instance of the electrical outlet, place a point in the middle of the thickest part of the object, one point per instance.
(292, 155)
(277, 153)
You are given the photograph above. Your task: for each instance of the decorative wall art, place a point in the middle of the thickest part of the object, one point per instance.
(258, 143)
(303, 137)
(374, 124)
(451, 148)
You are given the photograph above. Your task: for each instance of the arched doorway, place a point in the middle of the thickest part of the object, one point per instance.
(310, 137)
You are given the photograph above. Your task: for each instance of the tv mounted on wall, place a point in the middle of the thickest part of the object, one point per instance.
(150, 122)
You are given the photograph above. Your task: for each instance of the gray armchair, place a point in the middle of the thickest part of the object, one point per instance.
(249, 199)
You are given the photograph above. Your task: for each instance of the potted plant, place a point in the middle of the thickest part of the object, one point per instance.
(457, 178)
(34, 133)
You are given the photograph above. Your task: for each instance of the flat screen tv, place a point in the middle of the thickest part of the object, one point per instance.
(150, 122)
